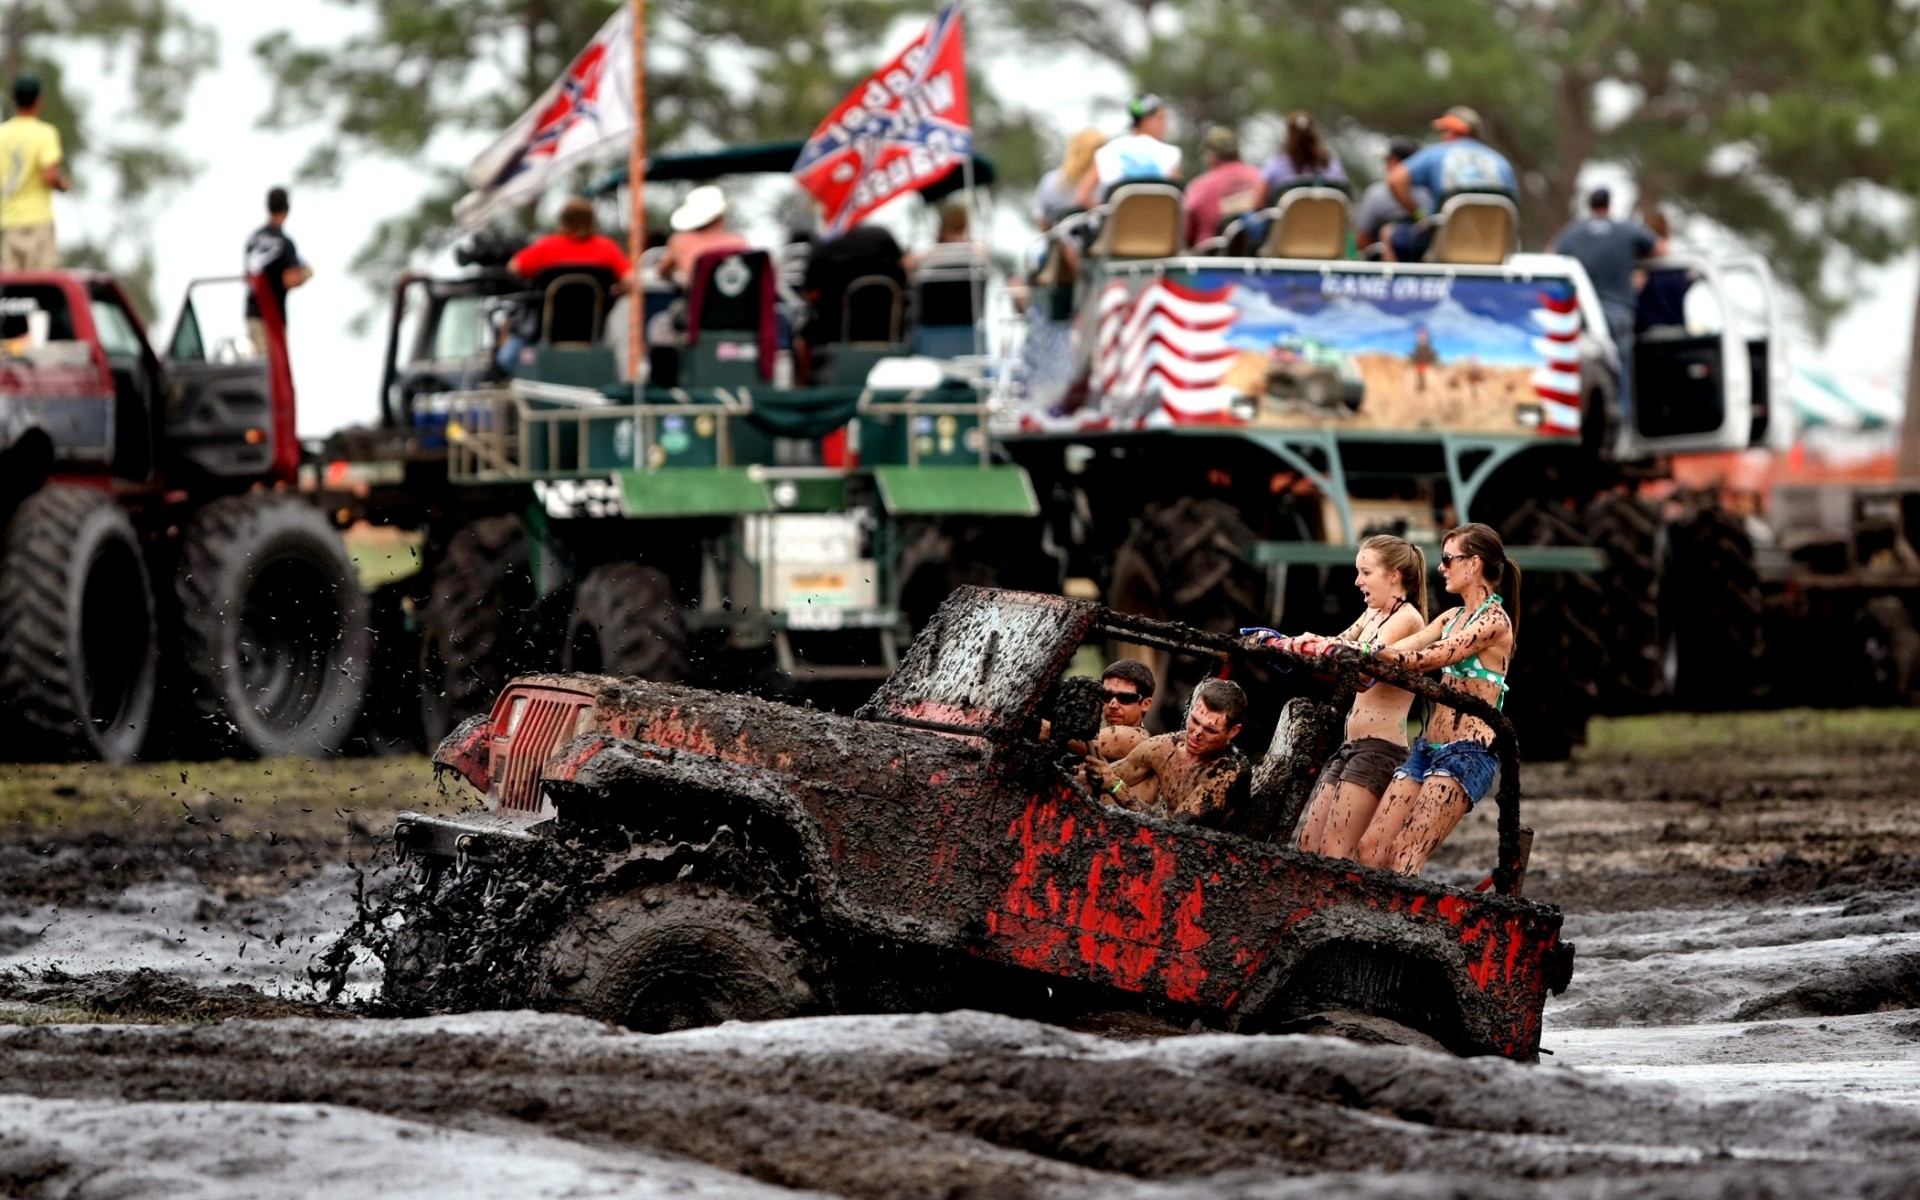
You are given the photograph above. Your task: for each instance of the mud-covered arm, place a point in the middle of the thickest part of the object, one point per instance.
(1429, 654)
(1140, 765)
(1216, 794)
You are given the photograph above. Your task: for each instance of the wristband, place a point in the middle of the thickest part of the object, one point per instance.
(1118, 787)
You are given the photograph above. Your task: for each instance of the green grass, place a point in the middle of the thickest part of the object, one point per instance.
(1676, 735)
(382, 554)
(283, 798)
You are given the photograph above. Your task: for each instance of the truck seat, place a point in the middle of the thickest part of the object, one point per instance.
(732, 336)
(1308, 222)
(1142, 221)
(1475, 228)
(943, 295)
(872, 327)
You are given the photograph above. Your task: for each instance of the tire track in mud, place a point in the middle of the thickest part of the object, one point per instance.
(972, 1104)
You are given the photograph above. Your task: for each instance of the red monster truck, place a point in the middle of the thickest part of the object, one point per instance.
(663, 856)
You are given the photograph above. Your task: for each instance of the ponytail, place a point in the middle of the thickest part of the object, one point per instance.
(1512, 597)
(1418, 589)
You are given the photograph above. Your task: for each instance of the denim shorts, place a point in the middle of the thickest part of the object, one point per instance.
(1466, 762)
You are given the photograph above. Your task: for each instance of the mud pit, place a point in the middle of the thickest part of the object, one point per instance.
(1745, 894)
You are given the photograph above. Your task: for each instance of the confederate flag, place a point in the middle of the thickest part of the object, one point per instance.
(903, 129)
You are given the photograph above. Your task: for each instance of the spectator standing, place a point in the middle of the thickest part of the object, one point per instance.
(272, 255)
(1303, 159)
(1458, 163)
(1378, 208)
(1227, 188)
(1142, 155)
(1058, 195)
(1610, 250)
(30, 158)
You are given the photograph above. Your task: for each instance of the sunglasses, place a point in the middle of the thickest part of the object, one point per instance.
(1125, 697)
(1447, 560)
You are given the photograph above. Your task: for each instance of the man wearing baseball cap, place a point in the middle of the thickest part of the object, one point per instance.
(1458, 163)
(1141, 155)
(1226, 189)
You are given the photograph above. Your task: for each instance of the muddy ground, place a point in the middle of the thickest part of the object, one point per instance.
(1745, 893)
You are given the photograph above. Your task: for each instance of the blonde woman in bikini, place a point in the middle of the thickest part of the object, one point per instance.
(1391, 574)
(1452, 767)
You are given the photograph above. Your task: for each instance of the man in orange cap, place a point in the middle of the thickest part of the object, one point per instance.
(1458, 162)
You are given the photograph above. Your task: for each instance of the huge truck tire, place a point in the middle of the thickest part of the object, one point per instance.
(1558, 649)
(627, 621)
(677, 956)
(1188, 561)
(275, 644)
(482, 590)
(1005, 552)
(1712, 610)
(1630, 531)
(78, 651)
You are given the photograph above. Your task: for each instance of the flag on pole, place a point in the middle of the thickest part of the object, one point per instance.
(588, 108)
(904, 128)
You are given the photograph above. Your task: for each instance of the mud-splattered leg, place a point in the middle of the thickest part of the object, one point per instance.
(1352, 813)
(1313, 826)
(1396, 808)
(1439, 808)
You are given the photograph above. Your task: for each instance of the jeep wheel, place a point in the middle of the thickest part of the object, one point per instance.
(1187, 561)
(481, 585)
(276, 643)
(626, 621)
(1629, 530)
(676, 957)
(1559, 651)
(77, 646)
(1710, 593)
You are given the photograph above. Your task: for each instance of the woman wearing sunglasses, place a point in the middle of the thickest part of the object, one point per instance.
(1391, 574)
(1451, 767)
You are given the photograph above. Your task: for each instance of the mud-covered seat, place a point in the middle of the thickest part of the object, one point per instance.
(732, 333)
(1475, 228)
(1308, 222)
(1140, 220)
(1306, 736)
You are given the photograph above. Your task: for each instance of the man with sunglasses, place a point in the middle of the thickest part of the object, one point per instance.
(1196, 775)
(1129, 687)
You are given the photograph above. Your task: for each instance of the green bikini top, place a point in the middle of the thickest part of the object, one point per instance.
(1471, 667)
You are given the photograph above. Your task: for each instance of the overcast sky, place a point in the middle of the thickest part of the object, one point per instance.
(337, 374)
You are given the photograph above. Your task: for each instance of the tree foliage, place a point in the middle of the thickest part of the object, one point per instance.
(1765, 118)
(426, 72)
(156, 50)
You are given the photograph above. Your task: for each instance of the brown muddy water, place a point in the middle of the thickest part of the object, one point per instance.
(1744, 1021)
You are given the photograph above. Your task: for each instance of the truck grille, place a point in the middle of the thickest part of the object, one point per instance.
(535, 722)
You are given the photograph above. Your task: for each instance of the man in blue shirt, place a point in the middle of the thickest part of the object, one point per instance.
(1459, 162)
(1609, 250)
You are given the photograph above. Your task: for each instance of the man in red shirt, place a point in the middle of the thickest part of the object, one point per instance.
(1227, 188)
(575, 245)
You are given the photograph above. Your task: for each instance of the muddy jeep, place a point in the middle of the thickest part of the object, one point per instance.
(663, 856)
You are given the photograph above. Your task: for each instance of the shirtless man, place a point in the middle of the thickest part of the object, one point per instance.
(1129, 686)
(1196, 776)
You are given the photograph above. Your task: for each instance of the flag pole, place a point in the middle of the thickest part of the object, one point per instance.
(636, 199)
(975, 269)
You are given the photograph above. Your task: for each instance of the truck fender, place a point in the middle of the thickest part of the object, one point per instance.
(465, 752)
(599, 781)
(1384, 941)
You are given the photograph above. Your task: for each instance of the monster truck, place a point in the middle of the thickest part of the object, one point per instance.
(154, 562)
(662, 856)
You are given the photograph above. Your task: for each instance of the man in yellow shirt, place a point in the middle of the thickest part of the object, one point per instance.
(29, 175)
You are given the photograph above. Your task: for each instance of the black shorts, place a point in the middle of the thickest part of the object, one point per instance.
(1366, 763)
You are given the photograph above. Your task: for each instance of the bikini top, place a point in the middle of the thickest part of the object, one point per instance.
(1471, 667)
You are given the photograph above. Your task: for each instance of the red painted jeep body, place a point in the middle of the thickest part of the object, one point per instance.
(935, 815)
